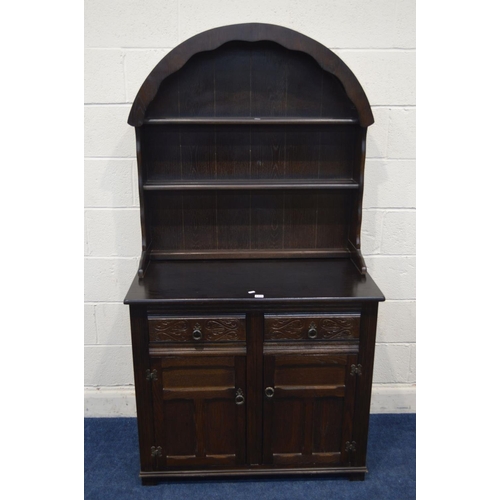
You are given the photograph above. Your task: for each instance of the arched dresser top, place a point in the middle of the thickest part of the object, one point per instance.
(252, 32)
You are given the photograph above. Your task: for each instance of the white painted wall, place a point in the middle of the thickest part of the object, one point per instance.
(124, 40)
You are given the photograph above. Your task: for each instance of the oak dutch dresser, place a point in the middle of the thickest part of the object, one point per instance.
(253, 316)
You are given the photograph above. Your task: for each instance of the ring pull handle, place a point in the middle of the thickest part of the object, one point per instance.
(197, 332)
(312, 333)
(240, 399)
(269, 392)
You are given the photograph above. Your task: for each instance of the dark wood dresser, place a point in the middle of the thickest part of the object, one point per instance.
(253, 316)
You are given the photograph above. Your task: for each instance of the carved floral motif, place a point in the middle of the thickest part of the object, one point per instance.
(221, 329)
(173, 330)
(338, 327)
(297, 328)
(214, 330)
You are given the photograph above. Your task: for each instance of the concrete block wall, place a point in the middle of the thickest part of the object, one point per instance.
(124, 39)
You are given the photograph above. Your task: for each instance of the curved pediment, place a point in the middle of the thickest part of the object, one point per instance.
(251, 70)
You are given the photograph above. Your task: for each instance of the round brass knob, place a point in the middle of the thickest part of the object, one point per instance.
(197, 334)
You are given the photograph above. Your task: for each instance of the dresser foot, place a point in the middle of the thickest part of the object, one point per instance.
(149, 481)
(357, 476)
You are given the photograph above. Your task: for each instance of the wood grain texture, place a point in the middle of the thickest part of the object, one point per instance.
(273, 152)
(161, 148)
(299, 220)
(233, 149)
(197, 153)
(166, 220)
(251, 221)
(234, 214)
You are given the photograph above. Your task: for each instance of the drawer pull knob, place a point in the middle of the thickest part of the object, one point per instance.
(312, 333)
(197, 332)
(269, 392)
(240, 399)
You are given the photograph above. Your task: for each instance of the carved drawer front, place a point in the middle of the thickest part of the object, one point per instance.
(312, 327)
(197, 329)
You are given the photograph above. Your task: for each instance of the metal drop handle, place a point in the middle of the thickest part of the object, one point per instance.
(240, 399)
(312, 333)
(197, 334)
(269, 392)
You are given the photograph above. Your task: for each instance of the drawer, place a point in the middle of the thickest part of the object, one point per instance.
(197, 329)
(311, 327)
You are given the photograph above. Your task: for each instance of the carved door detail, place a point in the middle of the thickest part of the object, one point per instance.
(308, 407)
(199, 410)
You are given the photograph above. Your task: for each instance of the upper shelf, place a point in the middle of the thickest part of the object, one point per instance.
(250, 184)
(250, 121)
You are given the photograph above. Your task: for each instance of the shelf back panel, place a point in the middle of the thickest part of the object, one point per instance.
(248, 220)
(251, 79)
(202, 152)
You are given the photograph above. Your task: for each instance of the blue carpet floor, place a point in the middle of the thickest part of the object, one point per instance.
(112, 467)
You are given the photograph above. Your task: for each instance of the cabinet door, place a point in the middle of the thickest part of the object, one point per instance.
(308, 406)
(199, 410)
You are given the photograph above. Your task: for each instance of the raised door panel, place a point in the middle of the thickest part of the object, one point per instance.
(308, 406)
(199, 411)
